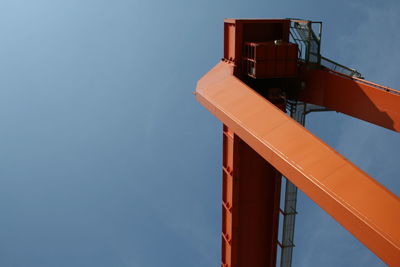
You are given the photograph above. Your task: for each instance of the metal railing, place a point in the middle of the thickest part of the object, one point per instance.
(309, 42)
(361, 80)
(332, 65)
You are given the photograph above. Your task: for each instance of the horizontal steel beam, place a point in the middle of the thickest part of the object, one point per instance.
(352, 96)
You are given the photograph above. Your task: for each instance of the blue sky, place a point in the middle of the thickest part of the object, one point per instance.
(108, 160)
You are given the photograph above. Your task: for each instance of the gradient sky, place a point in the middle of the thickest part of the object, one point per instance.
(106, 159)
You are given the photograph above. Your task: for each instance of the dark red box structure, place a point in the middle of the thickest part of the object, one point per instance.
(270, 59)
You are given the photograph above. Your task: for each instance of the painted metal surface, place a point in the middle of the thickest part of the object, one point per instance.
(352, 96)
(239, 31)
(251, 186)
(289, 212)
(363, 206)
(250, 206)
(227, 198)
(270, 59)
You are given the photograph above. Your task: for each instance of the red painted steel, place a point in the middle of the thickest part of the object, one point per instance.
(257, 203)
(260, 142)
(250, 206)
(251, 186)
(270, 59)
(239, 31)
(355, 97)
(363, 206)
(227, 197)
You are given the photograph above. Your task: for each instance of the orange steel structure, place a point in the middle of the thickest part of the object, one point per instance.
(261, 142)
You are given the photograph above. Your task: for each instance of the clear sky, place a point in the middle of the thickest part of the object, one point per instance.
(106, 159)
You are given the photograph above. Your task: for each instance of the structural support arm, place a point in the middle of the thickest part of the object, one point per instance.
(363, 206)
(352, 96)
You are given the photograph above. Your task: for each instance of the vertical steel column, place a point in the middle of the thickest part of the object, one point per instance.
(251, 194)
(227, 197)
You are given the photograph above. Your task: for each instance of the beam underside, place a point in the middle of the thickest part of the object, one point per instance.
(363, 206)
(355, 97)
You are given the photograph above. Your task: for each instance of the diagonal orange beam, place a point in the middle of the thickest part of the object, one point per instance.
(358, 202)
(352, 96)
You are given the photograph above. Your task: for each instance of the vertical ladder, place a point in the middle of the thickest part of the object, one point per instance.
(297, 112)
